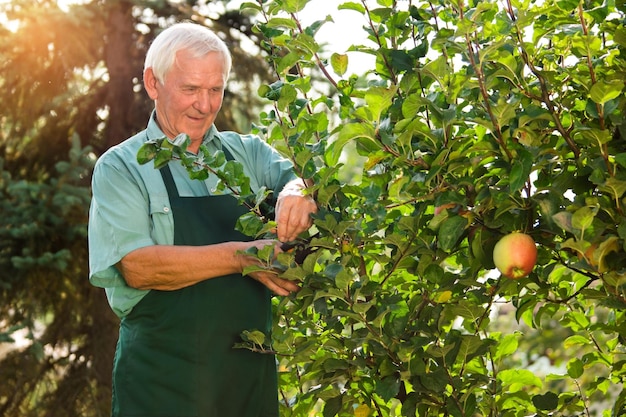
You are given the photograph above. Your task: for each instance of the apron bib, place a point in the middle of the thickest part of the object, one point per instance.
(175, 355)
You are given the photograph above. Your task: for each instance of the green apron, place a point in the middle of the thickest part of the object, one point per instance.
(175, 355)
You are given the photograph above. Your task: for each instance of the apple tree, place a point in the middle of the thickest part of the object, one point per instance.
(475, 120)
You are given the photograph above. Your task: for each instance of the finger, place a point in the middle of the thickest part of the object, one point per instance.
(298, 225)
(293, 216)
(288, 285)
(275, 284)
(305, 209)
(283, 224)
(283, 286)
(291, 225)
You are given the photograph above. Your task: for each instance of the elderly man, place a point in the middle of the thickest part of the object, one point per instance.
(166, 251)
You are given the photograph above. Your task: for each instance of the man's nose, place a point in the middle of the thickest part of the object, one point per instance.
(203, 102)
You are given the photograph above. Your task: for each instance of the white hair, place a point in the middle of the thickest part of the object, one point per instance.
(197, 39)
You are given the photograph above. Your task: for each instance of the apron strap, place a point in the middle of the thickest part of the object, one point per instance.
(168, 179)
(227, 154)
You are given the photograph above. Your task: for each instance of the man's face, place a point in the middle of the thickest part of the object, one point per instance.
(190, 97)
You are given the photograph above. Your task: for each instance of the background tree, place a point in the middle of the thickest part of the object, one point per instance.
(71, 88)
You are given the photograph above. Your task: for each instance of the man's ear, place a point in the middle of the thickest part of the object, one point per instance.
(150, 83)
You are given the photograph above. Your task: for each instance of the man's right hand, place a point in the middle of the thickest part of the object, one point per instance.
(269, 278)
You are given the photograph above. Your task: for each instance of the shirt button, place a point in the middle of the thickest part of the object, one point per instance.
(166, 209)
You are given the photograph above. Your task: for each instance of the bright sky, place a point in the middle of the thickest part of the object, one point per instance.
(345, 30)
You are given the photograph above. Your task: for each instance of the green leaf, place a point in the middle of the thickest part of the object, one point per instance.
(615, 187)
(450, 232)
(388, 387)
(334, 364)
(272, 91)
(255, 336)
(576, 340)
(333, 406)
(471, 346)
(433, 273)
(504, 111)
(250, 5)
(378, 100)
(397, 319)
(286, 62)
(518, 379)
(602, 91)
(349, 132)
(343, 279)
(567, 5)
(281, 22)
(339, 63)
(583, 217)
(576, 320)
(249, 224)
(199, 175)
(466, 310)
(288, 95)
(147, 152)
(520, 170)
(620, 158)
(592, 135)
(162, 158)
(439, 69)
(351, 5)
(575, 368)
(506, 346)
(546, 402)
(401, 60)
(294, 6)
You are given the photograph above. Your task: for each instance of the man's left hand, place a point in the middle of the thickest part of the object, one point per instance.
(293, 215)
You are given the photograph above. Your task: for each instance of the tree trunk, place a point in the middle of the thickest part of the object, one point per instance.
(122, 69)
(104, 338)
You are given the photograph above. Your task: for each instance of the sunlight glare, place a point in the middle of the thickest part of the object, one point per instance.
(66, 4)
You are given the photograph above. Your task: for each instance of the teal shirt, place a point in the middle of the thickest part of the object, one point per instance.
(130, 207)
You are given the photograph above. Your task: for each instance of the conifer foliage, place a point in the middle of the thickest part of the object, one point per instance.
(70, 87)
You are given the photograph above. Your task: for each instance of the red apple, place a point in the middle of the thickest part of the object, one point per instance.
(515, 255)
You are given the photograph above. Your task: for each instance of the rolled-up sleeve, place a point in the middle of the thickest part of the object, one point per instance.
(119, 222)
